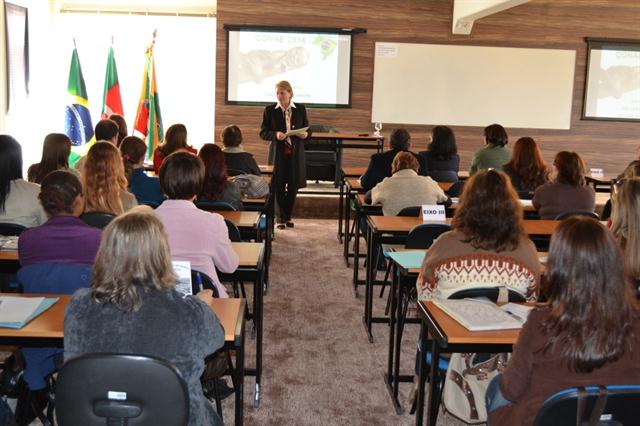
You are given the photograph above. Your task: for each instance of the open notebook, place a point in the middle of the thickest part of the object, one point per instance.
(478, 315)
(16, 312)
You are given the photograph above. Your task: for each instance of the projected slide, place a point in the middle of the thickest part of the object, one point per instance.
(613, 85)
(316, 64)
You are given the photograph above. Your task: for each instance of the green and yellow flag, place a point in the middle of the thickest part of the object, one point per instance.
(77, 116)
(148, 118)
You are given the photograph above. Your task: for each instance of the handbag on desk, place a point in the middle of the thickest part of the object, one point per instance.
(466, 384)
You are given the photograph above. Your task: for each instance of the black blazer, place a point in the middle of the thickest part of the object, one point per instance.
(273, 122)
(380, 168)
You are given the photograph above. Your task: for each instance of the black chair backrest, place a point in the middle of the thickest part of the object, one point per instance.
(422, 236)
(201, 279)
(456, 189)
(105, 389)
(321, 144)
(443, 175)
(413, 211)
(587, 213)
(234, 232)
(525, 195)
(211, 206)
(606, 211)
(490, 293)
(11, 229)
(96, 219)
(622, 406)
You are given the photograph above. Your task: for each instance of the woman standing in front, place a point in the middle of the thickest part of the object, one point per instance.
(286, 153)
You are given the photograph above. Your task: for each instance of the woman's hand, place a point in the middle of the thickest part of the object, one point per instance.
(205, 295)
(303, 135)
(280, 136)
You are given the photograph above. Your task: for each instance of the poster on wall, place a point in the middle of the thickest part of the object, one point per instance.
(612, 88)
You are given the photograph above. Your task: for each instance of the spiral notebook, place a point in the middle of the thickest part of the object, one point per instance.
(479, 315)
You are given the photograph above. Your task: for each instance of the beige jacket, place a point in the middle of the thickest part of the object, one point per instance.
(406, 189)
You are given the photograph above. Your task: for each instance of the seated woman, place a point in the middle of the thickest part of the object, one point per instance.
(625, 226)
(63, 238)
(495, 154)
(631, 171)
(56, 258)
(145, 188)
(567, 191)
(123, 130)
(405, 188)
(237, 159)
(589, 334)
(527, 169)
(174, 140)
(441, 156)
(18, 198)
(200, 237)
(132, 307)
(216, 186)
(105, 186)
(487, 232)
(55, 156)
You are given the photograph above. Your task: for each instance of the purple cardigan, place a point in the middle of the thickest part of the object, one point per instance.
(61, 239)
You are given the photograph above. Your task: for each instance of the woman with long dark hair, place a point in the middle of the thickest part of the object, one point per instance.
(174, 140)
(589, 334)
(18, 198)
(145, 188)
(527, 168)
(55, 156)
(442, 159)
(216, 185)
(567, 191)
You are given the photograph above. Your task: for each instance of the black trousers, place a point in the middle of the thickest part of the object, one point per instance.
(285, 188)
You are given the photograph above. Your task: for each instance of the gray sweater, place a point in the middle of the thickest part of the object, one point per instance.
(181, 330)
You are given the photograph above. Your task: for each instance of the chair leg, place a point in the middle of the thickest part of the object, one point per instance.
(386, 278)
(217, 398)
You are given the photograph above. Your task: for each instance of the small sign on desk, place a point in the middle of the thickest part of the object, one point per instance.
(433, 213)
(597, 173)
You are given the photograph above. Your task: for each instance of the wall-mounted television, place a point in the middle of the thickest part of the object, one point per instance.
(612, 87)
(316, 61)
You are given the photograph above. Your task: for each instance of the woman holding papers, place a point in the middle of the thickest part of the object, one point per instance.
(286, 151)
(132, 307)
(589, 334)
(487, 246)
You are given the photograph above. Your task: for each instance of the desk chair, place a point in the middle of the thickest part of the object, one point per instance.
(97, 219)
(612, 405)
(104, 389)
(443, 175)
(570, 213)
(215, 206)
(323, 156)
(201, 279)
(11, 229)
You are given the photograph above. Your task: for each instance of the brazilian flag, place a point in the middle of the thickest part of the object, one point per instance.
(77, 117)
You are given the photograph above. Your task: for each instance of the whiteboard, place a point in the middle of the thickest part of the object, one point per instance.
(472, 85)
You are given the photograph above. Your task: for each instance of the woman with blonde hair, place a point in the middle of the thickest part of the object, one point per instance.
(174, 140)
(405, 188)
(625, 225)
(133, 307)
(104, 182)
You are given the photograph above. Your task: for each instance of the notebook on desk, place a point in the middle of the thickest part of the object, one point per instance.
(16, 312)
(408, 259)
(479, 315)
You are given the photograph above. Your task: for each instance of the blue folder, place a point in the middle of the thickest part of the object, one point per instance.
(408, 259)
(44, 305)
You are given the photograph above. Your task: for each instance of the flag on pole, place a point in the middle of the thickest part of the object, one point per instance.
(77, 117)
(148, 118)
(111, 100)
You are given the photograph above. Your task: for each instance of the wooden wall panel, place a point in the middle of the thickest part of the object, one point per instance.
(561, 24)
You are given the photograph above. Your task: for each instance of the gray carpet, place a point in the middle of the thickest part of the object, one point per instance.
(319, 368)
